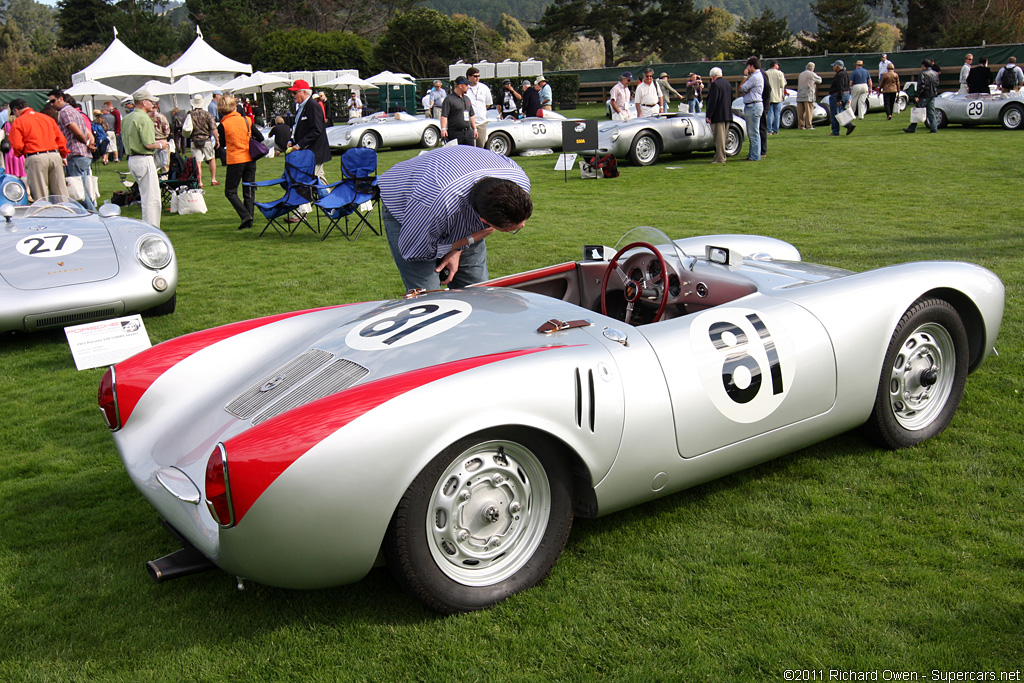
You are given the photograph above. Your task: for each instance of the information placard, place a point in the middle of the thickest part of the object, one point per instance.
(94, 345)
(565, 162)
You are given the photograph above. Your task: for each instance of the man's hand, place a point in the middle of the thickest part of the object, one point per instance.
(451, 262)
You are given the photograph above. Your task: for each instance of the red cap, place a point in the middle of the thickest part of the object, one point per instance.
(300, 85)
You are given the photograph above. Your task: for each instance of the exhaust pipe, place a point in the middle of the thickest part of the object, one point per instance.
(180, 563)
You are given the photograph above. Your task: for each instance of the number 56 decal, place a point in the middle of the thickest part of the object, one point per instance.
(745, 361)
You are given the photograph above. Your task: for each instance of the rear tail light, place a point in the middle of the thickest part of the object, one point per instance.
(107, 399)
(218, 488)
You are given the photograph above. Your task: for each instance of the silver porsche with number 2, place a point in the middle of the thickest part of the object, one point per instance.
(300, 449)
(644, 139)
(61, 265)
(376, 132)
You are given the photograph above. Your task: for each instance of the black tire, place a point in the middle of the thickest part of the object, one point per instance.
(369, 140)
(500, 143)
(645, 150)
(941, 121)
(788, 118)
(733, 141)
(1012, 117)
(923, 376)
(458, 552)
(166, 308)
(431, 136)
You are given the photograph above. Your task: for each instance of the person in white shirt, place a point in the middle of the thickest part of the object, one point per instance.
(621, 98)
(480, 95)
(965, 71)
(882, 66)
(649, 100)
(355, 105)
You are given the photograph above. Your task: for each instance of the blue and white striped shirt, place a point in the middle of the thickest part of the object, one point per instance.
(429, 195)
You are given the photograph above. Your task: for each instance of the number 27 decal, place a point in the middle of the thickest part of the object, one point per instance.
(49, 245)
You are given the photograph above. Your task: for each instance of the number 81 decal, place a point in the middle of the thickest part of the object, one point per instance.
(407, 324)
(745, 361)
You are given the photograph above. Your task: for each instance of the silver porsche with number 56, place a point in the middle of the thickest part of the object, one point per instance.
(301, 449)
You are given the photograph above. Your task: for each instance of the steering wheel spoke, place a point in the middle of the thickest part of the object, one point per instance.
(633, 290)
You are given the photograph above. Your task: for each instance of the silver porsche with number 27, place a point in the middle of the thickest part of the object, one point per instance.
(302, 449)
(644, 139)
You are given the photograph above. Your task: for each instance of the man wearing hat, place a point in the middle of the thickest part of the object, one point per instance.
(667, 90)
(310, 129)
(621, 98)
(860, 86)
(203, 140)
(457, 120)
(531, 99)
(140, 142)
(839, 95)
(545, 93)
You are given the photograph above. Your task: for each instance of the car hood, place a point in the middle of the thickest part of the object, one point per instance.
(45, 252)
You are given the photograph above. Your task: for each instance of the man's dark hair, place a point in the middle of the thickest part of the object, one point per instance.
(983, 61)
(754, 62)
(926, 63)
(472, 71)
(57, 92)
(774, 64)
(500, 202)
(18, 104)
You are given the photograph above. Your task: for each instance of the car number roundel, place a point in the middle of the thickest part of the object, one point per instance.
(745, 360)
(49, 245)
(407, 324)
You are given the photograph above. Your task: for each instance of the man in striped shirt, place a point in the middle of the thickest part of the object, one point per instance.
(439, 207)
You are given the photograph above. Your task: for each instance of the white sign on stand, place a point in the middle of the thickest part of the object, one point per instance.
(565, 162)
(94, 345)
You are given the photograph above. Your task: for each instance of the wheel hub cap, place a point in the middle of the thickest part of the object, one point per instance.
(921, 378)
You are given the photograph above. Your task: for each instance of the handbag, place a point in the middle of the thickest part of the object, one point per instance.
(918, 115)
(845, 117)
(257, 150)
(191, 201)
(76, 188)
(187, 127)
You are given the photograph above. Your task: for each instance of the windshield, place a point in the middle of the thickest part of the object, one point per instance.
(656, 238)
(55, 206)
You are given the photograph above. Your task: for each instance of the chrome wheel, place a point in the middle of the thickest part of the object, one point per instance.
(645, 150)
(369, 140)
(1012, 117)
(922, 375)
(788, 118)
(733, 142)
(499, 143)
(430, 137)
(488, 513)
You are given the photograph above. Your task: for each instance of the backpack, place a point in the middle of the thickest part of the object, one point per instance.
(98, 133)
(176, 166)
(608, 165)
(1009, 79)
(190, 171)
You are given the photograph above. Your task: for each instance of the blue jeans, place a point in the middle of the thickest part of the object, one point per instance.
(774, 116)
(421, 275)
(752, 115)
(933, 123)
(694, 106)
(79, 166)
(836, 105)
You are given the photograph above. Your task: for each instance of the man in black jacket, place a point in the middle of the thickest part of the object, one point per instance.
(719, 113)
(310, 131)
(839, 95)
(927, 91)
(980, 78)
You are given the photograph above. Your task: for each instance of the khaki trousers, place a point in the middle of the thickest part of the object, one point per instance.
(721, 134)
(143, 169)
(481, 134)
(45, 175)
(804, 115)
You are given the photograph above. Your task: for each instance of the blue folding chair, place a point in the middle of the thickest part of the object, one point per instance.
(299, 182)
(338, 204)
(359, 170)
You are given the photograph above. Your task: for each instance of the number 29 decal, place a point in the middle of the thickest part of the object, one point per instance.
(745, 361)
(407, 324)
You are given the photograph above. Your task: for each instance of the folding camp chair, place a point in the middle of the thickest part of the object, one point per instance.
(359, 169)
(337, 205)
(300, 187)
(184, 173)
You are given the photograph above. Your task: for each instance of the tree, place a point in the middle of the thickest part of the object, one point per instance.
(602, 20)
(234, 28)
(924, 17)
(843, 26)
(304, 50)
(424, 42)
(969, 22)
(37, 22)
(83, 22)
(764, 35)
(148, 33)
(708, 41)
(664, 28)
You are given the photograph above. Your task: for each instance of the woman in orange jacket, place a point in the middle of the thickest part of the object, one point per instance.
(240, 165)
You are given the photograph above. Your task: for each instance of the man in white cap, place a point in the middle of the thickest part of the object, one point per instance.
(204, 140)
(140, 142)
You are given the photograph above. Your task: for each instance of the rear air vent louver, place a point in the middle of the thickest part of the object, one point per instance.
(338, 376)
(585, 406)
(277, 383)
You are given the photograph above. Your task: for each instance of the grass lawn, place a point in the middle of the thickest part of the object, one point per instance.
(840, 556)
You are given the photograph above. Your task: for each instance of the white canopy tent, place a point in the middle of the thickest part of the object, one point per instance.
(177, 94)
(121, 68)
(203, 61)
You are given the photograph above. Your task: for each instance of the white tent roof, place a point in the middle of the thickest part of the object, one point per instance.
(201, 58)
(117, 61)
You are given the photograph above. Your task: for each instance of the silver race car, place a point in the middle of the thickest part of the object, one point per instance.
(1001, 109)
(875, 101)
(377, 131)
(643, 140)
(62, 265)
(508, 136)
(788, 115)
(455, 434)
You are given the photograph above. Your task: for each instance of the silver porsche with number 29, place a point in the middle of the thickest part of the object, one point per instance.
(454, 435)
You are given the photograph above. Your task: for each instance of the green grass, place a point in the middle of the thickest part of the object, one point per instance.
(840, 556)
